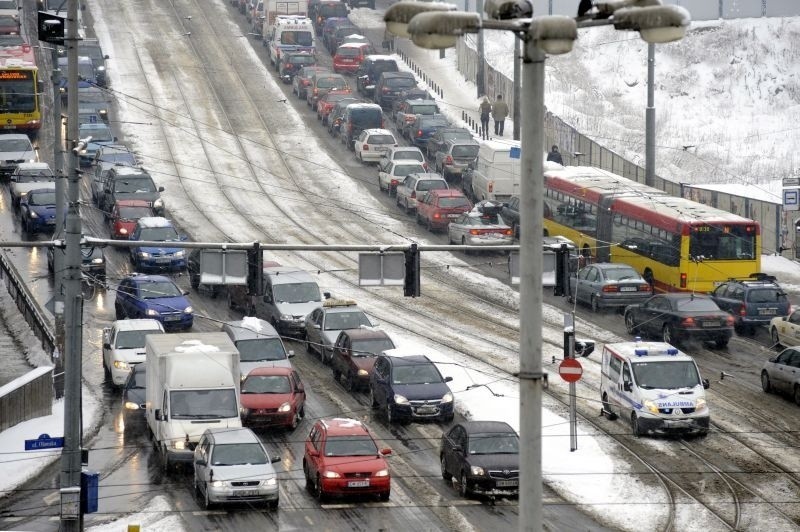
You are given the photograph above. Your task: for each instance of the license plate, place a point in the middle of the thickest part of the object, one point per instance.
(627, 289)
(245, 493)
(164, 260)
(358, 484)
(9, 127)
(381, 149)
(426, 410)
(454, 215)
(172, 318)
(507, 483)
(710, 324)
(767, 311)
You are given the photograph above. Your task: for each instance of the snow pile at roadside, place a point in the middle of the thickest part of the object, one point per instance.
(158, 516)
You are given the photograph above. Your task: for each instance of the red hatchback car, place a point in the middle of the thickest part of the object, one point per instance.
(342, 458)
(326, 104)
(125, 214)
(349, 56)
(272, 397)
(438, 208)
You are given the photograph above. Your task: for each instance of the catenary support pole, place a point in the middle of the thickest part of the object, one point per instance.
(517, 86)
(650, 120)
(71, 456)
(530, 291)
(61, 197)
(480, 78)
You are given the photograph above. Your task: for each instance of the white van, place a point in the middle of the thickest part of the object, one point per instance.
(496, 172)
(655, 386)
(289, 33)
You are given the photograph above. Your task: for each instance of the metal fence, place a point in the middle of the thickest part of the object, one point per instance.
(26, 397)
(590, 153)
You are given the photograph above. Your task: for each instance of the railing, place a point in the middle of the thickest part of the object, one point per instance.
(27, 397)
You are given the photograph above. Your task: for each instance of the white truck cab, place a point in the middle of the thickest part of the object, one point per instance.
(293, 33)
(123, 346)
(655, 386)
(496, 172)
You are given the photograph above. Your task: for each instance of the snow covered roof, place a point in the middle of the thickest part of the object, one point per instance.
(154, 221)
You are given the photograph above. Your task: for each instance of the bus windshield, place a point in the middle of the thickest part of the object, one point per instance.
(17, 92)
(722, 242)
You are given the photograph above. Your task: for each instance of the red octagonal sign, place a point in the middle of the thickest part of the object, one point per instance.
(570, 370)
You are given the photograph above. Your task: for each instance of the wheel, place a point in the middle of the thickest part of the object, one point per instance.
(739, 328)
(372, 402)
(196, 484)
(295, 420)
(409, 210)
(359, 157)
(397, 200)
(419, 219)
(776, 340)
(309, 484)
(630, 323)
(231, 302)
(443, 463)
(272, 505)
(194, 281)
(515, 230)
(607, 408)
(721, 342)
(635, 428)
(336, 374)
(120, 313)
(350, 382)
(765, 384)
(464, 243)
(318, 493)
(595, 305)
(463, 485)
(384, 496)
(796, 394)
(389, 416)
(429, 225)
(668, 334)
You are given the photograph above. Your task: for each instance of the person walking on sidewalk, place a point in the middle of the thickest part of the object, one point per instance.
(555, 155)
(486, 111)
(499, 113)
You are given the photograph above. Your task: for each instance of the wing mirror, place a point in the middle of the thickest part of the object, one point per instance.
(706, 384)
(627, 386)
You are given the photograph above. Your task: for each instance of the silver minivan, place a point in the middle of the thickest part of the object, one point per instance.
(289, 295)
(232, 466)
(258, 343)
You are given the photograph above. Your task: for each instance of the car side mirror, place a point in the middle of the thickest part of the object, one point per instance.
(386, 451)
(274, 459)
(706, 384)
(313, 452)
(290, 354)
(448, 379)
(106, 56)
(200, 462)
(457, 449)
(627, 386)
(317, 326)
(107, 345)
(161, 189)
(160, 416)
(14, 179)
(186, 292)
(326, 295)
(114, 139)
(267, 298)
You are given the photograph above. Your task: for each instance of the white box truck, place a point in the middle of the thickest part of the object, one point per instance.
(192, 384)
(496, 172)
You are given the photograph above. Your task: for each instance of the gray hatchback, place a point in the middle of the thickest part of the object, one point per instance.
(782, 373)
(608, 285)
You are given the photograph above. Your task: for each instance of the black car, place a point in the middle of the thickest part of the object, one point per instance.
(370, 70)
(133, 396)
(193, 269)
(390, 85)
(752, 302)
(335, 117)
(292, 62)
(510, 214)
(335, 38)
(483, 456)
(677, 317)
(439, 139)
(93, 260)
(410, 388)
(413, 93)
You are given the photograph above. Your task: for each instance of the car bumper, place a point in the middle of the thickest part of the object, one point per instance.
(372, 155)
(119, 375)
(39, 225)
(154, 265)
(610, 301)
(184, 456)
(185, 322)
(489, 242)
(440, 412)
(349, 68)
(292, 328)
(242, 494)
(756, 320)
(495, 487)
(660, 425)
(271, 419)
(706, 335)
(342, 486)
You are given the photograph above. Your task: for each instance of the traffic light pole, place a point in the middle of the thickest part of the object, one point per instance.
(58, 258)
(71, 517)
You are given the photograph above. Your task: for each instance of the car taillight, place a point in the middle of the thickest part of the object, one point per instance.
(385, 90)
(688, 322)
(475, 232)
(683, 280)
(289, 66)
(743, 310)
(729, 321)
(437, 215)
(316, 91)
(645, 288)
(413, 193)
(365, 147)
(394, 181)
(448, 160)
(610, 288)
(419, 132)
(508, 232)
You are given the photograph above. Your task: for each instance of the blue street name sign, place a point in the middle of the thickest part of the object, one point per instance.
(44, 441)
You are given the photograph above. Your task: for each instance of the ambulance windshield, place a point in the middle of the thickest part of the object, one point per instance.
(665, 375)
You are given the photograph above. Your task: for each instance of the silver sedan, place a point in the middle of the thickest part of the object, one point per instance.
(782, 373)
(480, 227)
(609, 285)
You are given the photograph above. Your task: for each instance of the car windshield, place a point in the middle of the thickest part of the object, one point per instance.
(203, 404)
(231, 454)
(414, 155)
(332, 10)
(140, 380)
(134, 213)
(91, 95)
(416, 374)
(695, 304)
(302, 59)
(98, 134)
(42, 198)
(300, 38)
(15, 145)
(375, 346)
(331, 83)
(493, 443)
(350, 446)
(403, 170)
(465, 151)
(620, 274)
(125, 158)
(400, 83)
(39, 176)
(8, 4)
(266, 384)
(431, 184)
(159, 289)
(423, 109)
(766, 295)
(261, 349)
(134, 185)
(337, 321)
(296, 292)
(453, 202)
(432, 121)
(159, 234)
(348, 51)
(366, 116)
(457, 134)
(92, 51)
(483, 219)
(379, 67)
(381, 139)
(666, 375)
(133, 339)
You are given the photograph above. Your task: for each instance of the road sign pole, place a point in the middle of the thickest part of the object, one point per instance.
(569, 354)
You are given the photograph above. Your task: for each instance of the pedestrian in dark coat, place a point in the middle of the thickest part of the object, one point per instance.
(499, 113)
(555, 155)
(486, 112)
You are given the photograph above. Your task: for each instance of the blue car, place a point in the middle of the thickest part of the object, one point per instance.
(155, 297)
(424, 127)
(37, 210)
(157, 258)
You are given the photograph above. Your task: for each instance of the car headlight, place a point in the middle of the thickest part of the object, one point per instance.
(143, 255)
(219, 483)
(188, 310)
(33, 214)
(331, 474)
(651, 406)
(382, 473)
(121, 364)
(399, 399)
(447, 398)
(151, 312)
(98, 260)
(158, 204)
(179, 444)
(285, 407)
(130, 405)
(23, 194)
(244, 411)
(363, 373)
(180, 254)
(123, 231)
(476, 471)
(101, 68)
(269, 482)
(286, 317)
(700, 405)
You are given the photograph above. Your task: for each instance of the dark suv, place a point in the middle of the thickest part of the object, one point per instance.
(752, 302)
(354, 355)
(455, 157)
(370, 70)
(129, 182)
(292, 62)
(390, 85)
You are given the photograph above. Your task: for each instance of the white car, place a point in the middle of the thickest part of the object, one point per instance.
(29, 176)
(410, 153)
(417, 184)
(123, 346)
(785, 330)
(372, 144)
(15, 148)
(480, 227)
(391, 173)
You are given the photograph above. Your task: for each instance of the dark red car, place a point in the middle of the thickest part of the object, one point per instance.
(354, 355)
(326, 104)
(302, 79)
(272, 397)
(125, 214)
(349, 56)
(437, 208)
(342, 458)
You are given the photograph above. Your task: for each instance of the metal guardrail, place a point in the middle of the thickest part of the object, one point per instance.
(27, 397)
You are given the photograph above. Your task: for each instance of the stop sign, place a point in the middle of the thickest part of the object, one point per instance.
(570, 370)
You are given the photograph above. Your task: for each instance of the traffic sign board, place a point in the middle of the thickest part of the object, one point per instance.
(570, 370)
(44, 441)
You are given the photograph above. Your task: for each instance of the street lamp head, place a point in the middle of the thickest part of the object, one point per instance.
(508, 9)
(655, 24)
(607, 8)
(554, 34)
(400, 14)
(439, 30)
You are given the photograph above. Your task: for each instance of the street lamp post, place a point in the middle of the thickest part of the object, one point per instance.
(437, 28)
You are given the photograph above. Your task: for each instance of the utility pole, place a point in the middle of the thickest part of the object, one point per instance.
(58, 257)
(517, 85)
(71, 520)
(650, 120)
(480, 78)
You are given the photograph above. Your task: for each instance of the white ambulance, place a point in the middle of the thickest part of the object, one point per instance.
(293, 33)
(655, 386)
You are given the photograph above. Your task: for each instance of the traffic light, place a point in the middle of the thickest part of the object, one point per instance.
(411, 281)
(51, 28)
(562, 271)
